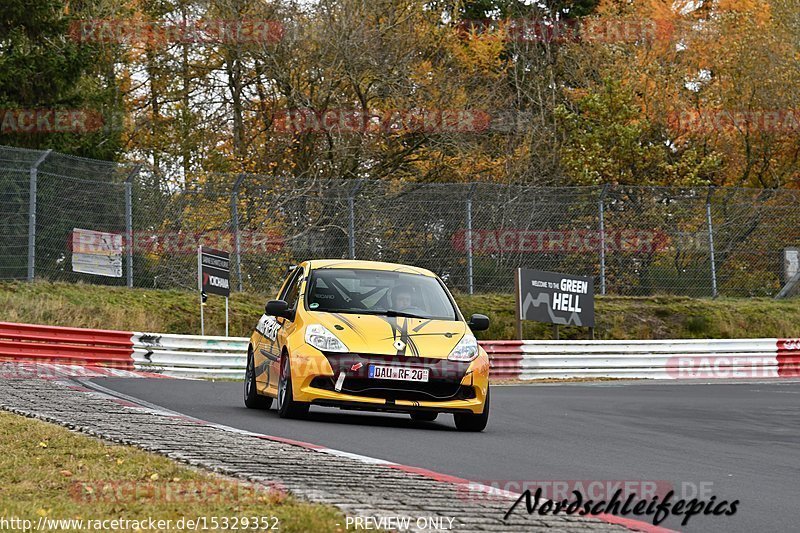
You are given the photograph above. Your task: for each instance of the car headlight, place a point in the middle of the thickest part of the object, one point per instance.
(465, 350)
(323, 340)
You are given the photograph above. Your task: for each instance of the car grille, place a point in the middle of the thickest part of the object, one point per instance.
(444, 378)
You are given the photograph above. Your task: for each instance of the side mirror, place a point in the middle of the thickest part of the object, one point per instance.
(278, 308)
(478, 322)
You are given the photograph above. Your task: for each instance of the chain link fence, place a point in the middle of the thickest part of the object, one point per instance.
(636, 241)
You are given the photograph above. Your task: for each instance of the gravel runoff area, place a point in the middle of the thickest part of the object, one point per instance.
(357, 486)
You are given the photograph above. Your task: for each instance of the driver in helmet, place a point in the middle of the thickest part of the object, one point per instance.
(401, 297)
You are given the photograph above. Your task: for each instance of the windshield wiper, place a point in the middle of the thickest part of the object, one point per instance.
(392, 312)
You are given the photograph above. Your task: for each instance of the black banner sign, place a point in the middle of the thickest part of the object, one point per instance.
(215, 271)
(555, 298)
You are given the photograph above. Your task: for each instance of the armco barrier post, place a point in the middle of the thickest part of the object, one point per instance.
(32, 216)
(235, 223)
(711, 243)
(129, 222)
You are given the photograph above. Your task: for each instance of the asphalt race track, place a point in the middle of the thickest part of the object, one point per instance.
(733, 440)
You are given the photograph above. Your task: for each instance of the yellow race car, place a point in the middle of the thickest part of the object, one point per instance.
(369, 336)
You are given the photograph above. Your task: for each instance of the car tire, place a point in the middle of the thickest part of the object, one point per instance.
(472, 422)
(287, 406)
(424, 416)
(253, 400)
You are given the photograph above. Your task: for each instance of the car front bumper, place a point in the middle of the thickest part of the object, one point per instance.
(454, 387)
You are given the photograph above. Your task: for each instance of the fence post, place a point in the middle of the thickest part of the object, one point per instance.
(235, 221)
(32, 215)
(711, 243)
(129, 222)
(470, 283)
(602, 240)
(351, 216)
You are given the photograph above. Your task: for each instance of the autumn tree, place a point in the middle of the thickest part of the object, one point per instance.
(719, 78)
(44, 66)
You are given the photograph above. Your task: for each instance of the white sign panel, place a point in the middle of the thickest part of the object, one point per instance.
(95, 252)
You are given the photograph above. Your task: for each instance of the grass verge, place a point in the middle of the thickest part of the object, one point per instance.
(170, 311)
(48, 471)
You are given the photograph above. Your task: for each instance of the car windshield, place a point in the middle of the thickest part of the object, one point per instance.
(378, 292)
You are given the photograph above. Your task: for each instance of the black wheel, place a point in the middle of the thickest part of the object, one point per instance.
(253, 400)
(471, 422)
(287, 407)
(424, 416)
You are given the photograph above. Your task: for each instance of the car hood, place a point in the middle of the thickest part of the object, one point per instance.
(377, 334)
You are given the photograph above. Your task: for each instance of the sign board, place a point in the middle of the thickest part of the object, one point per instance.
(214, 271)
(791, 263)
(560, 299)
(98, 253)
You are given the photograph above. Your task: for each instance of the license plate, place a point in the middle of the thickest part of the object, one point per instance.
(399, 373)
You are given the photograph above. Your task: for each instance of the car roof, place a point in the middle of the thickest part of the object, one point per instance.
(365, 265)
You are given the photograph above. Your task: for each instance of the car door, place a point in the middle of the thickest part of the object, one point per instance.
(268, 350)
(291, 295)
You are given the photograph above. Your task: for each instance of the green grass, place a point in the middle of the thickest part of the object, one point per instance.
(96, 306)
(657, 317)
(48, 471)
